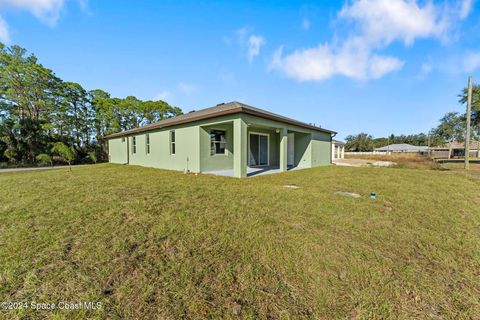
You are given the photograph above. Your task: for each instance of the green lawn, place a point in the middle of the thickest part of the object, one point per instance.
(149, 243)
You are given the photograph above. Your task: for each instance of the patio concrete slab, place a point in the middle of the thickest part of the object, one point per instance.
(251, 171)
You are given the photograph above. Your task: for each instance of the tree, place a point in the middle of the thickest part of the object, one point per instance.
(65, 152)
(78, 112)
(27, 89)
(475, 116)
(38, 109)
(44, 159)
(360, 143)
(451, 128)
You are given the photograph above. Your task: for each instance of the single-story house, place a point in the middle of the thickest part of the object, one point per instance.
(338, 149)
(227, 137)
(455, 149)
(401, 148)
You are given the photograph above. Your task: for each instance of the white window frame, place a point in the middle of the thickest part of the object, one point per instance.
(147, 143)
(268, 148)
(134, 145)
(210, 135)
(173, 142)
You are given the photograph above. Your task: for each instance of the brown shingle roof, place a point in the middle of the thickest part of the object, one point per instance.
(216, 111)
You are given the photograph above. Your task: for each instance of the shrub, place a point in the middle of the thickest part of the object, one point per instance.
(44, 159)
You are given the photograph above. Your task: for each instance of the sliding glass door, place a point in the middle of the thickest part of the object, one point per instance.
(258, 149)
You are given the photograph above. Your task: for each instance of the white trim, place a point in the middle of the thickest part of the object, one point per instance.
(172, 143)
(147, 144)
(134, 145)
(210, 141)
(291, 143)
(268, 148)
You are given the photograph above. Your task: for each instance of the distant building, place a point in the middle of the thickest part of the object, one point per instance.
(401, 148)
(456, 148)
(338, 149)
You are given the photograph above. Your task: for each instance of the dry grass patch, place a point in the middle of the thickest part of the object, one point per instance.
(403, 160)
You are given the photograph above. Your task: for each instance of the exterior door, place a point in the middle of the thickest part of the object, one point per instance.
(291, 149)
(258, 150)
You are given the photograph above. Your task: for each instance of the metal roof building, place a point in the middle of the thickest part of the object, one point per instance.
(401, 147)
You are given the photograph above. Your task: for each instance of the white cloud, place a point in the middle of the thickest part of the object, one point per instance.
(242, 34)
(83, 5)
(4, 33)
(254, 44)
(162, 95)
(306, 24)
(378, 66)
(376, 24)
(323, 62)
(471, 61)
(425, 70)
(47, 11)
(382, 22)
(187, 89)
(465, 8)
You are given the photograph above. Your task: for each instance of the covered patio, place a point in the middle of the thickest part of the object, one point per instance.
(251, 146)
(253, 171)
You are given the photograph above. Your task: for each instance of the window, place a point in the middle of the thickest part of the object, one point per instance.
(134, 145)
(172, 142)
(217, 142)
(147, 143)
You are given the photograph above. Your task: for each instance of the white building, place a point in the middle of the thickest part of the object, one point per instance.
(401, 148)
(338, 149)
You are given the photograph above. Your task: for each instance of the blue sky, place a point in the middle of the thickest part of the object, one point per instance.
(382, 67)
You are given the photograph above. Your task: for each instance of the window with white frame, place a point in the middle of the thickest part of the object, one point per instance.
(134, 145)
(218, 142)
(172, 142)
(147, 143)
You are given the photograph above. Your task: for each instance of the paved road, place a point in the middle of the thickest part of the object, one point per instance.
(32, 169)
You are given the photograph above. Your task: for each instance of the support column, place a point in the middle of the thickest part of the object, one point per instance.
(333, 151)
(283, 149)
(239, 148)
(343, 152)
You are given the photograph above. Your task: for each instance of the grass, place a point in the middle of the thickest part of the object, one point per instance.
(150, 243)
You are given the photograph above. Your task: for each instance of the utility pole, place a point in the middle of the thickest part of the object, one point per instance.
(428, 150)
(469, 111)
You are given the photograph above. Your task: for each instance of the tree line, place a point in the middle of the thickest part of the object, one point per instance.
(451, 127)
(44, 119)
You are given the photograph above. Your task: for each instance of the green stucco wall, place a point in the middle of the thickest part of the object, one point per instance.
(312, 148)
(117, 150)
(209, 162)
(321, 149)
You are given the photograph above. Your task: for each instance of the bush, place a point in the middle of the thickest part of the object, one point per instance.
(44, 159)
(11, 155)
